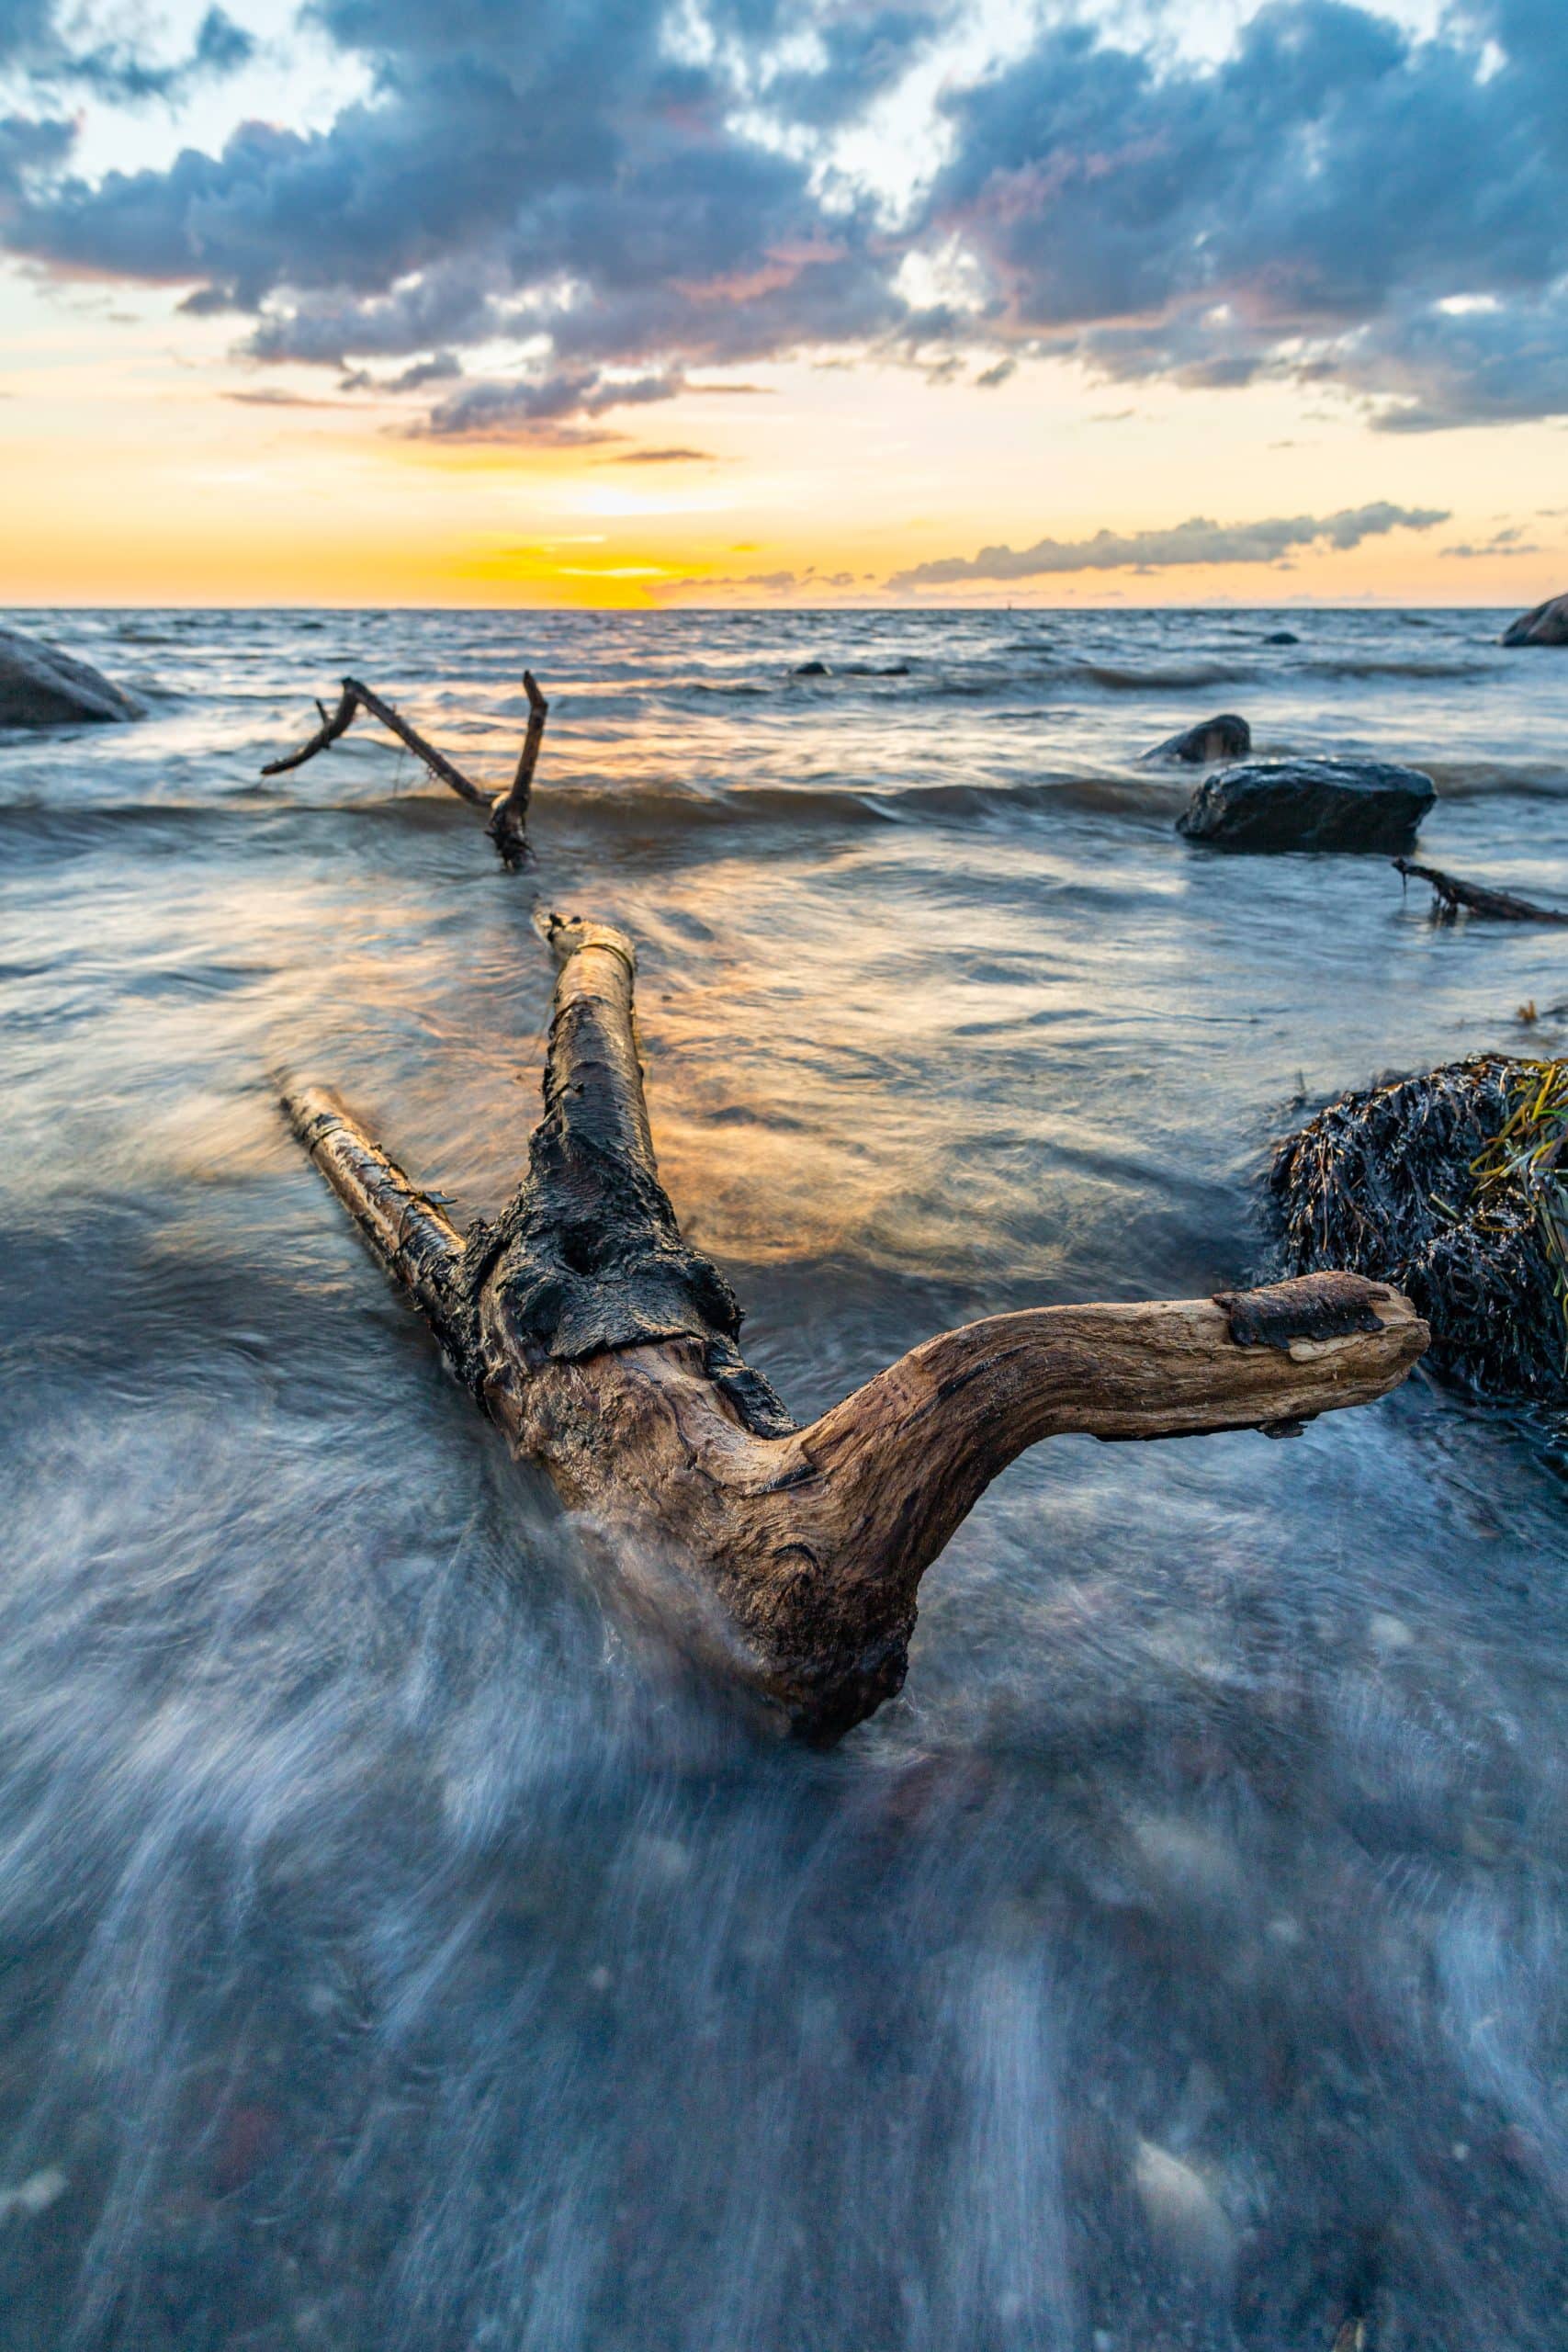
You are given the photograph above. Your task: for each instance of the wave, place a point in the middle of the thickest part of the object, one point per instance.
(1351, 666)
(656, 810)
(1161, 677)
(1478, 778)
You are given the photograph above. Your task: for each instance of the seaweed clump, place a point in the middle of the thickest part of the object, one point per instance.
(1452, 1186)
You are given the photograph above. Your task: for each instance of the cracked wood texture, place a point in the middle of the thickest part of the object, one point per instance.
(787, 1559)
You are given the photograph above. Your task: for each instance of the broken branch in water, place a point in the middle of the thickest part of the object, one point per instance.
(507, 812)
(605, 1349)
(1453, 894)
(508, 827)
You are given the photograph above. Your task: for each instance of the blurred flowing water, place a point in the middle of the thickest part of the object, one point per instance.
(395, 1956)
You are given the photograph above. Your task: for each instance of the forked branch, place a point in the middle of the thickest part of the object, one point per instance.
(507, 812)
(606, 1348)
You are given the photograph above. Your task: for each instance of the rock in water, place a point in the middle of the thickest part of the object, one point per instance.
(1548, 625)
(1448, 1185)
(1281, 637)
(1224, 738)
(1308, 804)
(809, 670)
(40, 686)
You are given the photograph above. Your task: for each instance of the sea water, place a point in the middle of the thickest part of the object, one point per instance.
(399, 1956)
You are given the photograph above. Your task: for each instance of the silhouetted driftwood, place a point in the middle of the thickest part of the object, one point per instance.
(788, 1559)
(1453, 894)
(507, 812)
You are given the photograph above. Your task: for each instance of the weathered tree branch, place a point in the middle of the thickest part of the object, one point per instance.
(605, 1349)
(508, 827)
(507, 812)
(1453, 894)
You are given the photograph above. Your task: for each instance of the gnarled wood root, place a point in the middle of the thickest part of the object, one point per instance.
(789, 1558)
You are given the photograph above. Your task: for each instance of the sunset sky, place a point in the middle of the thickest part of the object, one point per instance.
(621, 302)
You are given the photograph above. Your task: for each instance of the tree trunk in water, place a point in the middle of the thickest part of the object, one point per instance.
(788, 1559)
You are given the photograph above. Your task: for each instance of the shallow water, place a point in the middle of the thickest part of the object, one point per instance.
(396, 1955)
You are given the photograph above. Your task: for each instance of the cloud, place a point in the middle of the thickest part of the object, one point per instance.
(274, 396)
(776, 583)
(1511, 541)
(30, 143)
(1197, 541)
(666, 458)
(56, 55)
(637, 189)
(1488, 363)
(440, 370)
(487, 411)
(575, 175)
(1307, 206)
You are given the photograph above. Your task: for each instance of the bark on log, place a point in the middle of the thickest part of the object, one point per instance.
(1453, 894)
(788, 1559)
(507, 812)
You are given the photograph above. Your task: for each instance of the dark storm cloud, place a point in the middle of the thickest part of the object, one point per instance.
(1193, 542)
(623, 185)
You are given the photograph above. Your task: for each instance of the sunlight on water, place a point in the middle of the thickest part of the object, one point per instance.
(402, 1958)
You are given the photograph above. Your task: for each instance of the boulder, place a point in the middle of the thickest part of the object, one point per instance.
(1548, 625)
(41, 687)
(1281, 637)
(1225, 737)
(1308, 804)
(809, 670)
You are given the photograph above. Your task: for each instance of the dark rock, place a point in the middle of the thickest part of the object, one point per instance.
(1282, 637)
(1308, 804)
(1225, 737)
(40, 686)
(809, 670)
(1548, 625)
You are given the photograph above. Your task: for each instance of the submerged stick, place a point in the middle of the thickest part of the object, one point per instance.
(1453, 894)
(507, 812)
(788, 1559)
(508, 826)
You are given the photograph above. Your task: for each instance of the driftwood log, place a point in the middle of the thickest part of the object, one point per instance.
(1452, 894)
(506, 812)
(787, 1558)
